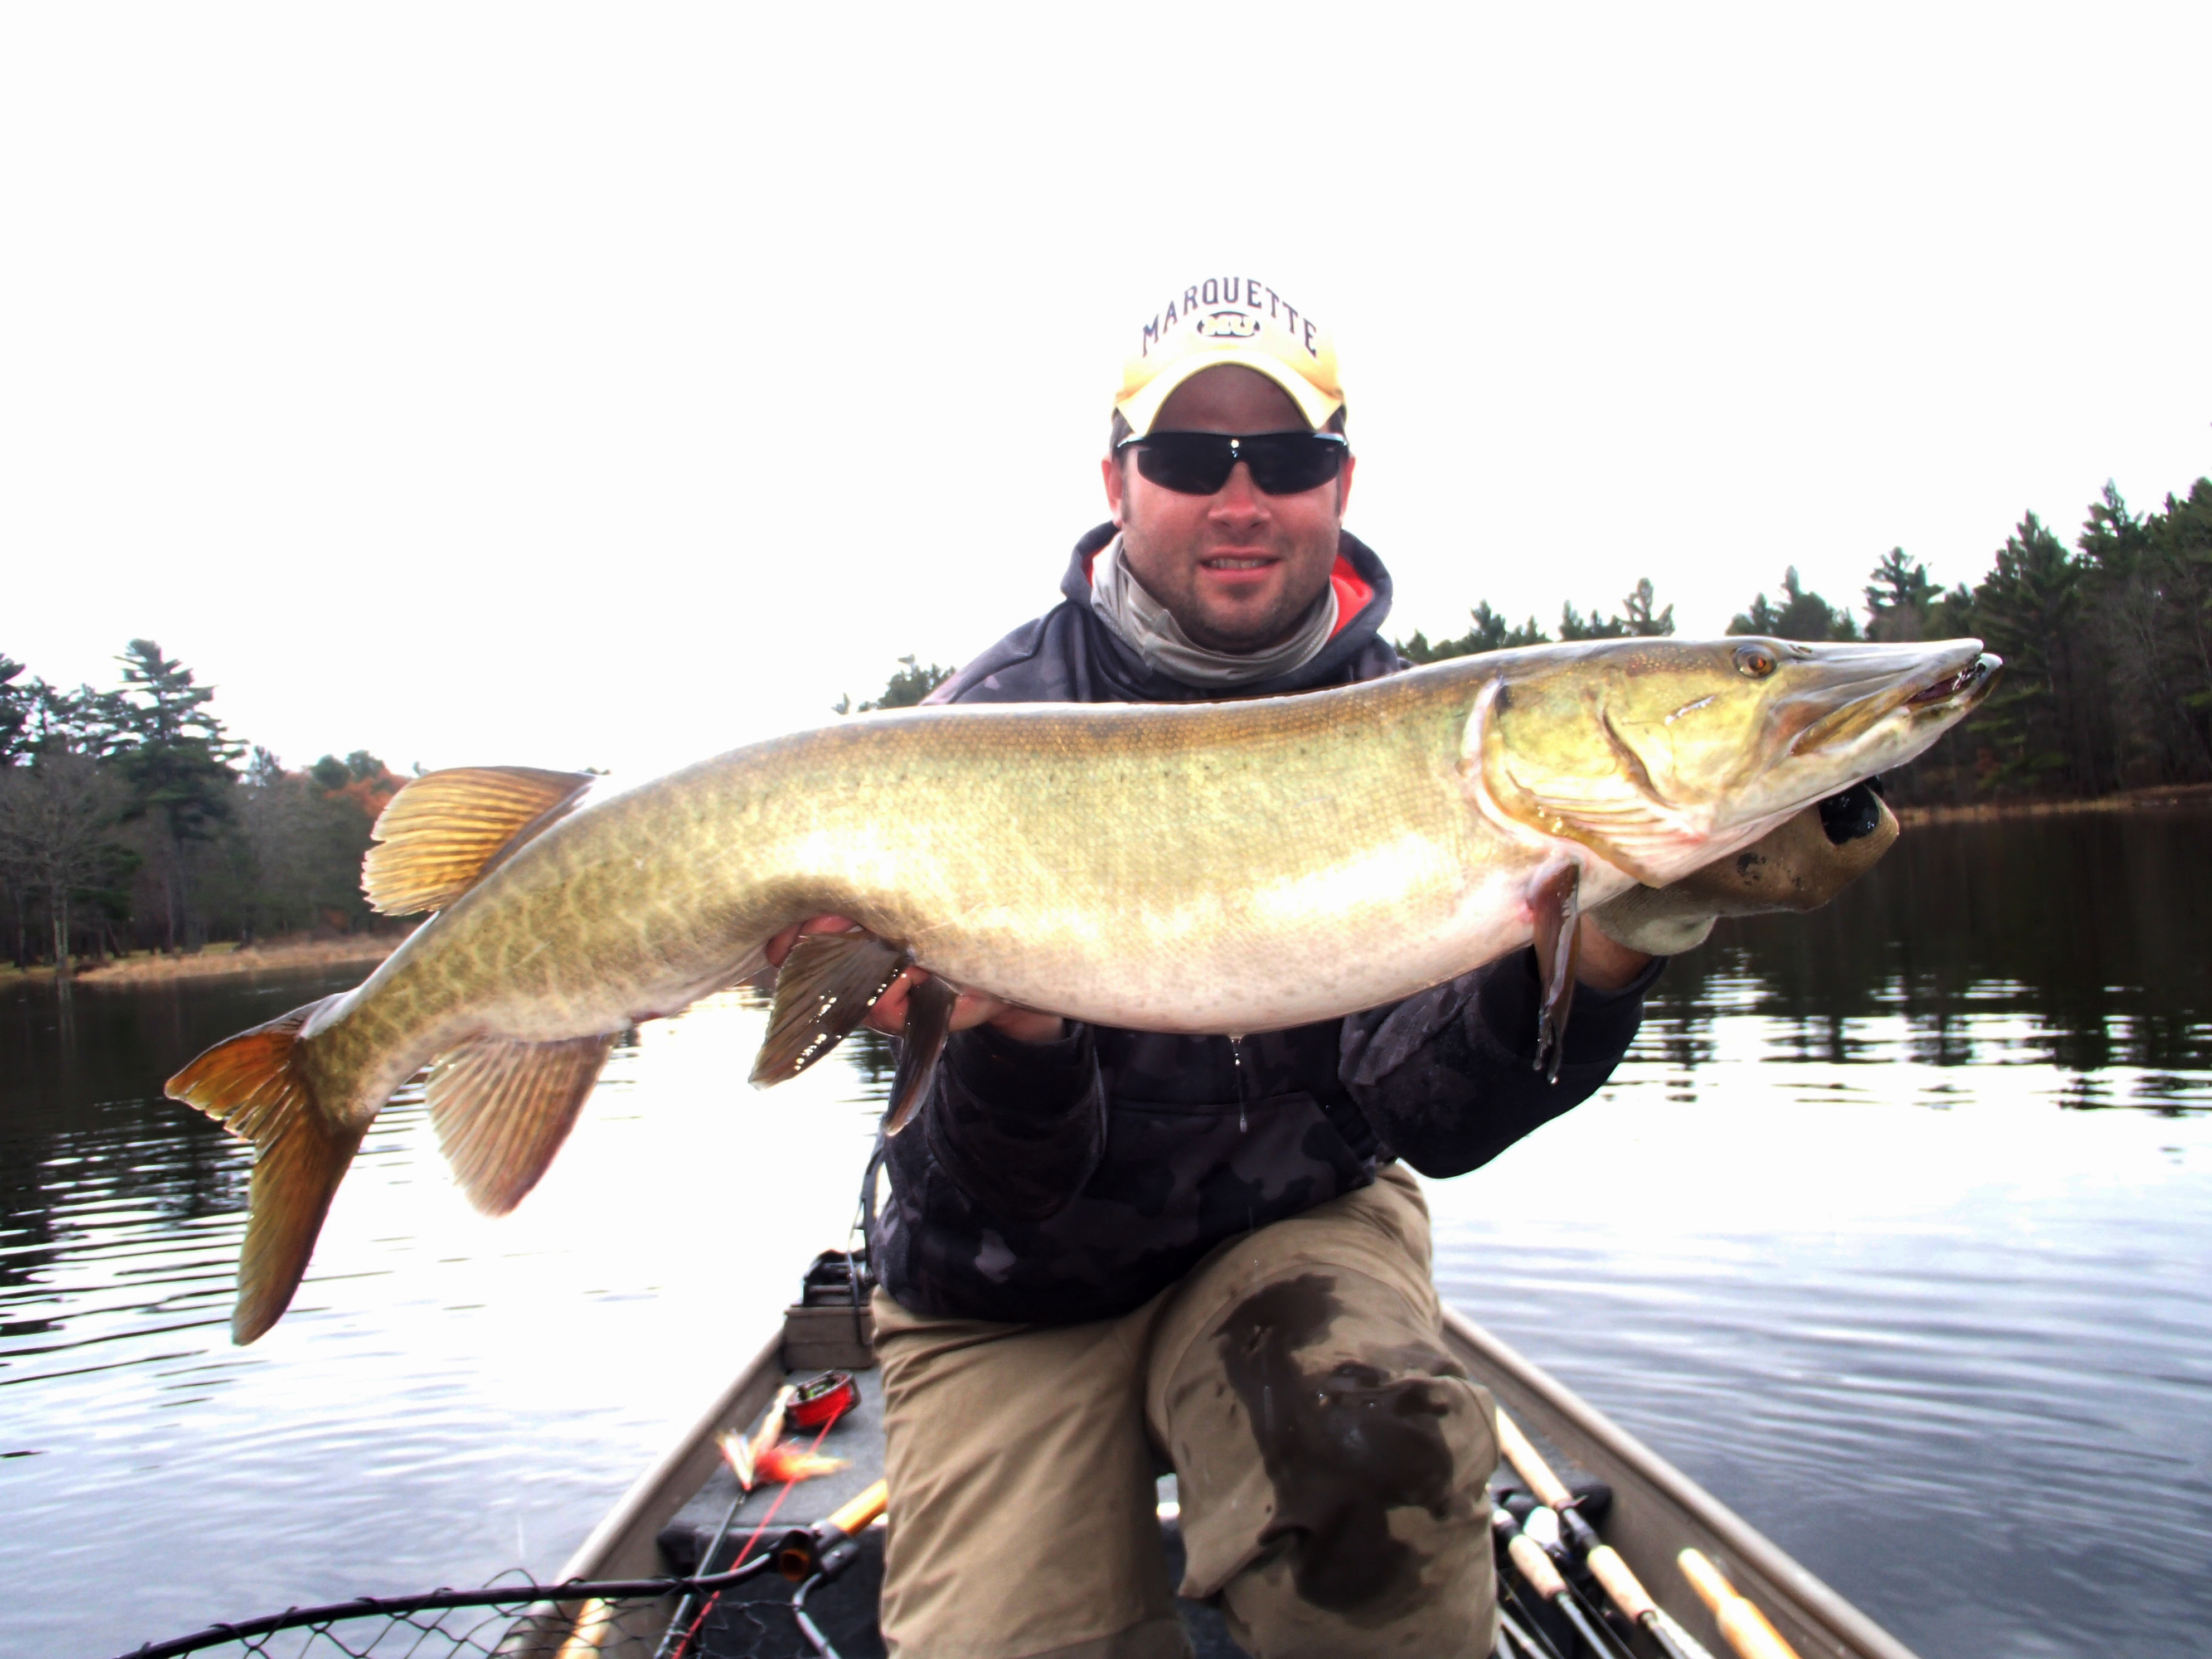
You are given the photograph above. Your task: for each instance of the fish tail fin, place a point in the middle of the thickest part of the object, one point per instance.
(252, 1085)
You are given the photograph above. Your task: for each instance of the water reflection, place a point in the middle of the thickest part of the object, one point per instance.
(82, 1154)
(449, 1397)
(1838, 1242)
(1834, 1240)
(2076, 942)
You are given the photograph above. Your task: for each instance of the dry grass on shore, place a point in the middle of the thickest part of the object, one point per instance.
(2128, 800)
(269, 956)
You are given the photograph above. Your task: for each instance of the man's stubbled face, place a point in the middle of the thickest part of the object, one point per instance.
(1238, 568)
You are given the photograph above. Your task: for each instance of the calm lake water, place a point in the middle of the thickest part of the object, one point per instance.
(1895, 1230)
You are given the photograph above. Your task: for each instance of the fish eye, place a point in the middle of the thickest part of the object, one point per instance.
(1755, 662)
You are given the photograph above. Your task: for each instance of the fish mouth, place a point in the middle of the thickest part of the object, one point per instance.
(1972, 683)
(1955, 688)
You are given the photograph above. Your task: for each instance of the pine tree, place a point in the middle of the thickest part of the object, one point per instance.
(1801, 616)
(2182, 541)
(176, 762)
(14, 710)
(1637, 620)
(1635, 611)
(1573, 625)
(2044, 717)
(905, 690)
(54, 721)
(1901, 599)
(2149, 587)
(1490, 632)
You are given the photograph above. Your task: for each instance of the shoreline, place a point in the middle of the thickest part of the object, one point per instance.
(2161, 798)
(224, 959)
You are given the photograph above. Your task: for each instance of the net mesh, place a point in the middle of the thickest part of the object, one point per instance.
(741, 1614)
(738, 1611)
(522, 1622)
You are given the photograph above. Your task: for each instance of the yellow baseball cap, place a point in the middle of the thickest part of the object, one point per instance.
(1228, 320)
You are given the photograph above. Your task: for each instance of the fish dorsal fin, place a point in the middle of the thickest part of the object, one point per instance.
(824, 988)
(502, 1110)
(442, 832)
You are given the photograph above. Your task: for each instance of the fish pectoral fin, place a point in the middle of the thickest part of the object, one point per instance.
(1554, 901)
(251, 1086)
(442, 832)
(824, 988)
(502, 1109)
(928, 1022)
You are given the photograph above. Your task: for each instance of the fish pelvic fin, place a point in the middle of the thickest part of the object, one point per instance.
(503, 1109)
(254, 1086)
(824, 988)
(1554, 901)
(928, 1023)
(443, 832)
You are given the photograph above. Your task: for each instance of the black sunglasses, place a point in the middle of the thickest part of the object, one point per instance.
(1199, 463)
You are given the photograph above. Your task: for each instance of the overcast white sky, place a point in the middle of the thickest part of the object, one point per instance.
(607, 387)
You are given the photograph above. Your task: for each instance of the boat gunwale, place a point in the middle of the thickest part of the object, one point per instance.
(627, 1534)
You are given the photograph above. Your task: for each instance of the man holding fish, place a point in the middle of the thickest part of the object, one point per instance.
(1109, 1252)
(1223, 919)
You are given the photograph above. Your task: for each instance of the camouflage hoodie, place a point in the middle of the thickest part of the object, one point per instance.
(1058, 1182)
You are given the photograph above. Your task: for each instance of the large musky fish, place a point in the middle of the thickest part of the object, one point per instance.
(1218, 867)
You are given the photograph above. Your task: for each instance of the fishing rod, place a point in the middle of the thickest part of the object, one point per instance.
(1541, 1576)
(810, 1557)
(1744, 1624)
(1517, 1640)
(827, 1546)
(1604, 1562)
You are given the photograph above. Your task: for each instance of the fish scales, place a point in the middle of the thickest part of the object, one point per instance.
(1215, 868)
(1196, 874)
(1171, 874)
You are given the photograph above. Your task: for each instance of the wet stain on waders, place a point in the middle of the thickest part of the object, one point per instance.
(1343, 1448)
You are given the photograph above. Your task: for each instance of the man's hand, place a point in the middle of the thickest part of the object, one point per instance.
(1795, 867)
(1603, 964)
(889, 1015)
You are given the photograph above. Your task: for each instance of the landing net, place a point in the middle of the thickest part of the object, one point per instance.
(613, 1619)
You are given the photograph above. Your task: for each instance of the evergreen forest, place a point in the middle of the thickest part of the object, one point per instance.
(130, 819)
(2107, 648)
